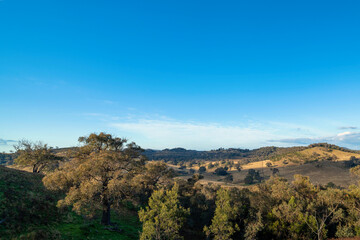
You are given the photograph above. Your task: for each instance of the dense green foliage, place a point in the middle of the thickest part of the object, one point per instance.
(164, 216)
(222, 225)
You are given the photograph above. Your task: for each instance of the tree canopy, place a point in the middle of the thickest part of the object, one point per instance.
(164, 216)
(98, 175)
(37, 155)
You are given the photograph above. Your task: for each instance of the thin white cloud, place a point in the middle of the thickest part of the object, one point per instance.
(346, 139)
(169, 133)
(347, 127)
(4, 142)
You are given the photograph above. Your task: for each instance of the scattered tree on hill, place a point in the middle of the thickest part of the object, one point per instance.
(252, 176)
(229, 178)
(249, 179)
(274, 171)
(99, 175)
(221, 171)
(37, 155)
(268, 164)
(202, 169)
(210, 166)
(238, 166)
(164, 216)
(222, 226)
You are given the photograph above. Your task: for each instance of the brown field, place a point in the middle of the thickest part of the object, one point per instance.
(319, 173)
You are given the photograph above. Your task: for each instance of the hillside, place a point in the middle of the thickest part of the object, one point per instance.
(323, 163)
(176, 155)
(317, 152)
(28, 211)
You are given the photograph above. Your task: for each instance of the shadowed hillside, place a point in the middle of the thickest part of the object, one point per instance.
(28, 211)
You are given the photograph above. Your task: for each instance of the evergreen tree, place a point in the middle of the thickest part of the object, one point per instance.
(222, 226)
(164, 216)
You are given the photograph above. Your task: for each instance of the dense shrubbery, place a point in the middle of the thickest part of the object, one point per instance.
(275, 209)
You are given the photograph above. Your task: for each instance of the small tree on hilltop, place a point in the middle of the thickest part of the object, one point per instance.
(37, 155)
(164, 216)
(99, 174)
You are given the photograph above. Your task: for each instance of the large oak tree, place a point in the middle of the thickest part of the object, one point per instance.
(99, 174)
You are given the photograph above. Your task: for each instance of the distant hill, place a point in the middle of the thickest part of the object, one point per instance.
(318, 152)
(6, 158)
(180, 154)
(176, 155)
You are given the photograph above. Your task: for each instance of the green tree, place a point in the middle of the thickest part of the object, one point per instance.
(98, 176)
(37, 155)
(164, 216)
(222, 226)
(156, 175)
(202, 169)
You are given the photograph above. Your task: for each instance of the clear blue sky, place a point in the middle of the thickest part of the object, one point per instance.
(194, 74)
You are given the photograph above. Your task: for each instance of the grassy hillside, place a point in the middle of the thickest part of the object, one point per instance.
(316, 153)
(323, 163)
(28, 211)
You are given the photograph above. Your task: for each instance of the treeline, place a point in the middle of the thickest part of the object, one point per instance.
(6, 158)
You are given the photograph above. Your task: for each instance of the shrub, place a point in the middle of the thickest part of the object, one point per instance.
(221, 171)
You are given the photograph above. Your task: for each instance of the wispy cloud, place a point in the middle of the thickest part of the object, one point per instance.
(4, 142)
(347, 127)
(171, 133)
(347, 139)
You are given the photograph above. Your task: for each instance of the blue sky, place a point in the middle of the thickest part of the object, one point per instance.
(194, 74)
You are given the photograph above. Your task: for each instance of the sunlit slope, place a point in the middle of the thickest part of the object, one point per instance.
(315, 154)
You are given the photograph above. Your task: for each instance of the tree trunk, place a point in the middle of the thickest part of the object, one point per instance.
(105, 220)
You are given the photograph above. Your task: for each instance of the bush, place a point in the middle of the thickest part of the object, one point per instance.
(229, 178)
(202, 169)
(221, 171)
(249, 179)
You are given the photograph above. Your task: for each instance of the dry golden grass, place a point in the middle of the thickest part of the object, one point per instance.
(320, 172)
(341, 155)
